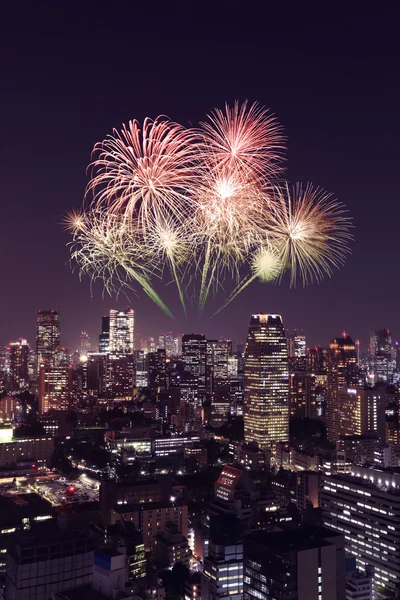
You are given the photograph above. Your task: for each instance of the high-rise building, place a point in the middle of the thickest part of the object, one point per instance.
(55, 387)
(84, 339)
(169, 343)
(223, 567)
(45, 559)
(157, 375)
(194, 354)
(382, 356)
(140, 369)
(218, 353)
(306, 564)
(119, 377)
(104, 337)
(297, 349)
(48, 338)
(122, 325)
(191, 402)
(94, 373)
(365, 507)
(360, 411)
(19, 365)
(266, 382)
(302, 394)
(342, 372)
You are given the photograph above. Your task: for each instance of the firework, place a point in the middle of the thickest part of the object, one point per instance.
(265, 265)
(309, 230)
(144, 173)
(204, 206)
(106, 248)
(227, 221)
(170, 244)
(245, 139)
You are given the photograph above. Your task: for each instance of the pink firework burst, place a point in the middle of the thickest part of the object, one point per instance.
(244, 138)
(146, 173)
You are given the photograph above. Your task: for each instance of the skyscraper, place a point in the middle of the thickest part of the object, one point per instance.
(122, 331)
(218, 353)
(104, 337)
(382, 356)
(55, 387)
(84, 343)
(194, 352)
(307, 563)
(19, 359)
(342, 372)
(266, 382)
(169, 343)
(140, 369)
(48, 338)
(365, 506)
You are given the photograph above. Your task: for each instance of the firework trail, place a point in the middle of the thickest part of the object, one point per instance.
(169, 244)
(241, 153)
(266, 266)
(106, 248)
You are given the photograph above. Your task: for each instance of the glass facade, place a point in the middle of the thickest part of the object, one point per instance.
(266, 382)
(121, 331)
(48, 338)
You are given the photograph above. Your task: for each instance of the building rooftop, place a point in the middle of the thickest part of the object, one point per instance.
(86, 592)
(14, 507)
(293, 539)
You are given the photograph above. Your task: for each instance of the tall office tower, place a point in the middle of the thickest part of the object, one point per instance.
(19, 363)
(317, 360)
(55, 387)
(220, 405)
(67, 357)
(169, 343)
(140, 369)
(382, 356)
(223, 567)
(48, 338)
(365, 506)
(122, 324)
(94, 374)
(45, 559)
(302, 395)
(119, 377)
(194, 354)
(104, 337)
(342, 372)
(297, 348)
(358, 353)
(266, 382)
(306, 564)
(84, 339)
(361, 411)
(191, 402)
(4, 359)
(232, 367)
(157, 374)
(218, 353)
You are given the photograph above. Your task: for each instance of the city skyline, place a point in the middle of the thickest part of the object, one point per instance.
(73, 339)
(335, 140)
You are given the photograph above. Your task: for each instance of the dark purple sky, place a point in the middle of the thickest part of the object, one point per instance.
(70, 71)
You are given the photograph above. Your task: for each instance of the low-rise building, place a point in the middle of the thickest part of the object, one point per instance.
(171, 547)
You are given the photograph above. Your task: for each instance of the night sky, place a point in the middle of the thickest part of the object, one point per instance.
(71, 71)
